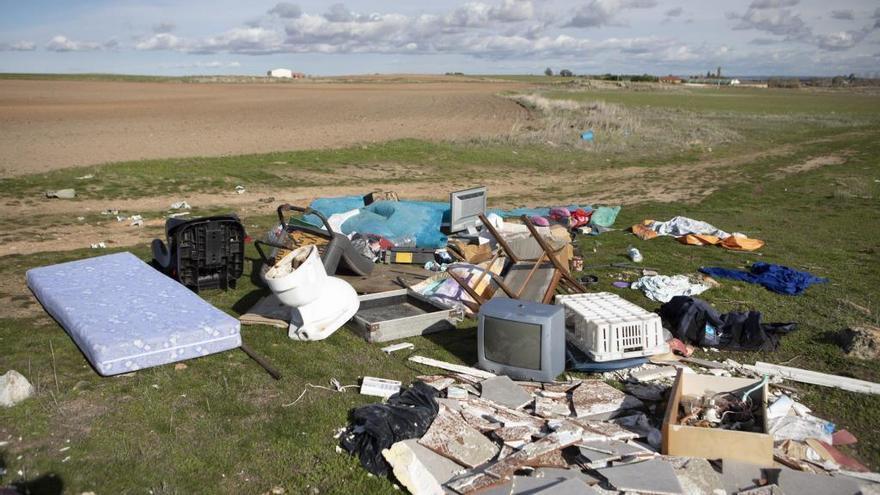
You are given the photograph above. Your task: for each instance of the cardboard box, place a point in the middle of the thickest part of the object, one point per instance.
(715, 443)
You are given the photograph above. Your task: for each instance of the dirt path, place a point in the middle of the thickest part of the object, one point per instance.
(47, 125)
(672, 183)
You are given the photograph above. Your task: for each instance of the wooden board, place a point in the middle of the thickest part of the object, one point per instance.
(385, 278)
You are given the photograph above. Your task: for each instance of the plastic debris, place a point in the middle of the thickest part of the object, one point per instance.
(180, 205)
(14, 388)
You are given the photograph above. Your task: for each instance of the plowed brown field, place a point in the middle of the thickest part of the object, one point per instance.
(46, 125)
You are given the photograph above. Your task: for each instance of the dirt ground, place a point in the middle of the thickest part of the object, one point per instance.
(46, 125)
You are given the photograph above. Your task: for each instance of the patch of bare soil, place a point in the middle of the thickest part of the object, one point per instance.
(811, 164)
(672, 183)
(47, 125)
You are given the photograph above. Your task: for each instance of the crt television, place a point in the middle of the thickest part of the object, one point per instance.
(521, 339)
(465, 208)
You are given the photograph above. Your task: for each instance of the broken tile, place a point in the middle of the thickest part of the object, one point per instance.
(737, 476)
(456, 392)
(654, 476)
(798, 483)
(453, 404)
(480, 481)
(514, 436)
(550, 472)
(651, 374)
(502, 390)
(595, 397)
(697, 476)
(843, 437)
(564, 387)
(549, 408)
(763, 490)
(602, 452)
(603, 431)
(554, 459)
(528, 485)
(450, 435)
(438, 382)
(419, 469)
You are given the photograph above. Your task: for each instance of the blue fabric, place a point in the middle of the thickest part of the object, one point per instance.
(777, 278)
(392, 219)
(332, 206)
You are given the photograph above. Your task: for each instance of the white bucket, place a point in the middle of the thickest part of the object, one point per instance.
(301, 285)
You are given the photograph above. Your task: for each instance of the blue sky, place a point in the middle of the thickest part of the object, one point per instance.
(757, 37)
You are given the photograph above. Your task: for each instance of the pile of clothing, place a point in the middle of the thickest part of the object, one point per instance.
(695, 233)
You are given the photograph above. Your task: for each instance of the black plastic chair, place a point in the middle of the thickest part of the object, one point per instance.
(338, 252)
(202, 253)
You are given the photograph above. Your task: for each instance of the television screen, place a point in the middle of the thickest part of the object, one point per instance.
(512, 343)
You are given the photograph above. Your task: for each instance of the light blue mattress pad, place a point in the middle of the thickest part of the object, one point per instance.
(124, 315)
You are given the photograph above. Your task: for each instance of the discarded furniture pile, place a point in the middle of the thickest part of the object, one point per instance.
(393, 269)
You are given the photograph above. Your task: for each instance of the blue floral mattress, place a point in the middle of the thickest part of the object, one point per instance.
(124, 315)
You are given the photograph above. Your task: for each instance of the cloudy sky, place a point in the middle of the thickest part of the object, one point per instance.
(752, 37)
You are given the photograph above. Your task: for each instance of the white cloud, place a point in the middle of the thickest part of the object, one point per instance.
(841, 40)
(597, 13)
(772, 4)
(63, 44)
(18, 46)
(843, 15)
(674, 12)
(212, 64)
(779, 22)
(513, 11)
(245, 40)
(161, 41)
(164, 27)
(286, 10)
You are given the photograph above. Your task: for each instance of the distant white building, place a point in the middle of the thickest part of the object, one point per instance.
(285, 73)
(734, 82)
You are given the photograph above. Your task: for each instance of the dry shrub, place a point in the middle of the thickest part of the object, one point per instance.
(616, 128)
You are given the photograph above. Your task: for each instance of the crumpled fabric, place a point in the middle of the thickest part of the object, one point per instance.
(662, 288)
(695, 321)
(680, 226)
(777, 278)
(374, 427)
(735, 242)
(604, 216)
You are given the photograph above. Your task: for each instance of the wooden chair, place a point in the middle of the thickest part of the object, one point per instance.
(536, 280)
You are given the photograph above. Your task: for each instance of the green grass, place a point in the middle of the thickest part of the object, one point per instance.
(739, 100)
(220, 425)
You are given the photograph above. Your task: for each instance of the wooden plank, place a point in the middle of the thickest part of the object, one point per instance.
(816, 378)
(457, 368)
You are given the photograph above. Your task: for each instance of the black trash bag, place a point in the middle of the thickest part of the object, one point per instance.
(407, 414)
(689, 318)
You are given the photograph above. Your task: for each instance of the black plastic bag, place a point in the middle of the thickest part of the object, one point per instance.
(407, 414)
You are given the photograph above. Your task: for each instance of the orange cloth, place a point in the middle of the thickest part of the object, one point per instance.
(643, 231)
(732, 242)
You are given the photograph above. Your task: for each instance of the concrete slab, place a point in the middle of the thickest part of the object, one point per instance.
(451, 436)
(655, 477)
(502, 390)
